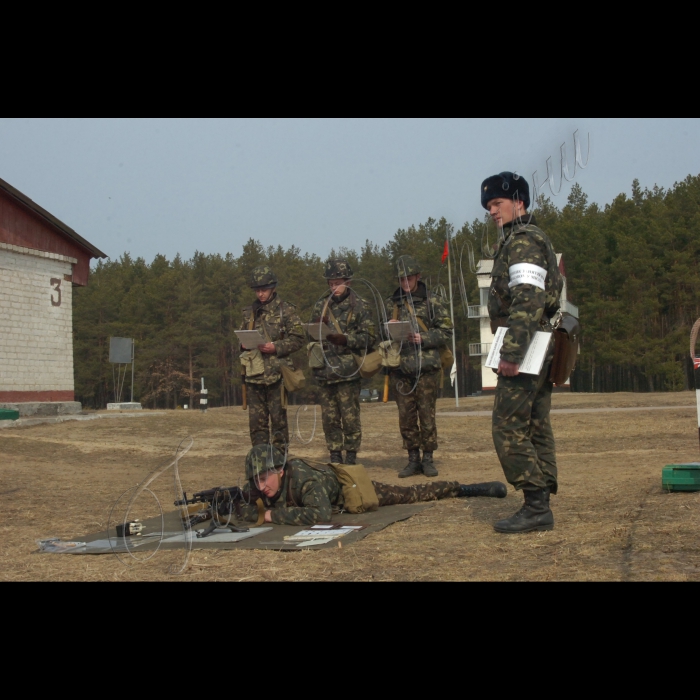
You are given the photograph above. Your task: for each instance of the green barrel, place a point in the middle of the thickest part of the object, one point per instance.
(8, 414)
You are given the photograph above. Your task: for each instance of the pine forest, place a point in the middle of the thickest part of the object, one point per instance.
(631, 267)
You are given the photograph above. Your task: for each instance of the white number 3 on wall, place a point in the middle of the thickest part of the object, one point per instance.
(56, 284)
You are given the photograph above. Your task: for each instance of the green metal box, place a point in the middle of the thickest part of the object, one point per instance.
(681, 477)
(8, 414)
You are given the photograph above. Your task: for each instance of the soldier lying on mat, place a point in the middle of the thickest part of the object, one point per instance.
(297, 493)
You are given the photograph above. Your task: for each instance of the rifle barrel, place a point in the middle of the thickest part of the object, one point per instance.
(207, 496)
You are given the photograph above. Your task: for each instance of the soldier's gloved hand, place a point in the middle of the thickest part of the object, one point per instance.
(337, 338)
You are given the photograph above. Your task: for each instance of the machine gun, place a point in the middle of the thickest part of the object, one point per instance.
(222, 501)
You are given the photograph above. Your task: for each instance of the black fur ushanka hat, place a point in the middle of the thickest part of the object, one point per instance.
(505, 184)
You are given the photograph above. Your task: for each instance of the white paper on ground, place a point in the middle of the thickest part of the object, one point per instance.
(250, 339)
(327, 534)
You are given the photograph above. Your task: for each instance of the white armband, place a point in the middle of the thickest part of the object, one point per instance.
(527, 273)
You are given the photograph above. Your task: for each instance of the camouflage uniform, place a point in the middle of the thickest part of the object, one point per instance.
(420, 367)
(277, 321)
(339, 378)
(310, 495)
(522, 432)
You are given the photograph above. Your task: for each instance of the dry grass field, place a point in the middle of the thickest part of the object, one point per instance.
(613, 520)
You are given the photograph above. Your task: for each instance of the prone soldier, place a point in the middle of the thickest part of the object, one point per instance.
(415, 381)
(524, 296)
(297, 493)
(338, 374)
(280, 325)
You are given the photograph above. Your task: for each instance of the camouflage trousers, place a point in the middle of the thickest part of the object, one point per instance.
(267, 419)
(340, 412)
(417, 406)
(390, 495)
(522, 431)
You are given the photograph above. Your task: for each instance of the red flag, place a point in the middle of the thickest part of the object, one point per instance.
(445, 253)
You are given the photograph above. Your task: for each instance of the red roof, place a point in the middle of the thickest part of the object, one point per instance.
(24, 223)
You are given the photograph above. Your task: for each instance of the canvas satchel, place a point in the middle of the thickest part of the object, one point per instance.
(390, 351)
(252, 360)
(315, 350)
(253, 363)
(369, 363)
(446, 357)
(293, 379)
(358, 492)
(359, 495)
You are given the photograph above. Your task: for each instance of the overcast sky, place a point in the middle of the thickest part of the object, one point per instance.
(152, 186)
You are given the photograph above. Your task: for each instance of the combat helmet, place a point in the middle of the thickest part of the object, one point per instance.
(406, 266)
(262, 458)
(337, 269)
(262, 277)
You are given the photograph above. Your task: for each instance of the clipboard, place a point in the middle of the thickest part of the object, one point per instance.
(318, 331)
(250, 339)
(399, 330)
(534, 357)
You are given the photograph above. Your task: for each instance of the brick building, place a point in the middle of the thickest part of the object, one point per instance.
(41, 260)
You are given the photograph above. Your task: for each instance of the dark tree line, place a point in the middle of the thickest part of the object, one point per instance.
(632, 269)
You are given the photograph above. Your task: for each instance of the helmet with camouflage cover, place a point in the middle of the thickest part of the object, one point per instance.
(262, 277)
(337, 269)
(406, 266)
(262, 458)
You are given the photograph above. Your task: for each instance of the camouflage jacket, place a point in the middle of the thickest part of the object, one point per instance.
(432, 311)
(308, 495)
(277, 320)
(522, 307)
(355, 320)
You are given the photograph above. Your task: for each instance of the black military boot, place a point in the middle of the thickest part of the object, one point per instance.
(350, 457)
(414, 466)
(534, 515)
(336, 457)
(491, 489)
(428, 466)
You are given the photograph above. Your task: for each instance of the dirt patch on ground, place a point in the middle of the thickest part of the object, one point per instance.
(613, 521)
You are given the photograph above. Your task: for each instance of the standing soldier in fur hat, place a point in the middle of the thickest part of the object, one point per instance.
(279, 324)
(338, 376)
(525, 288)
(415, 381)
